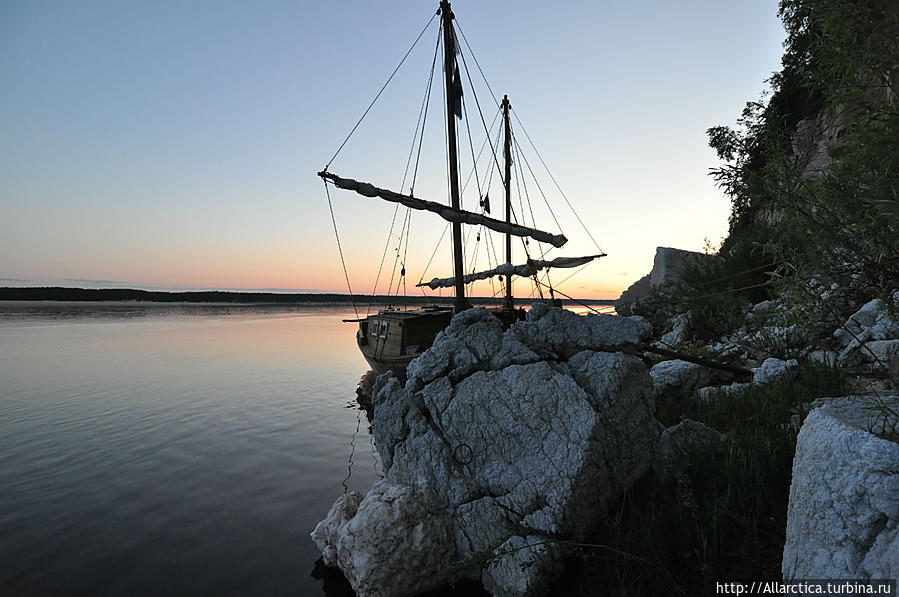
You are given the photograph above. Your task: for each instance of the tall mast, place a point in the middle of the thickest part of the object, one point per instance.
(507, 301)
(449, 64)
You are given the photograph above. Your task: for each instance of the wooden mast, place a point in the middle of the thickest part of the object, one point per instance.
(507, 301)
(449, 64)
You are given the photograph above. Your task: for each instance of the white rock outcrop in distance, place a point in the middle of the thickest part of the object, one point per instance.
(669, 264)
(843, 516)
(667, 268)
(518, 435)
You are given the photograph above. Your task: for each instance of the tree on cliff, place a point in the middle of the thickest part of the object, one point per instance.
(813, 172)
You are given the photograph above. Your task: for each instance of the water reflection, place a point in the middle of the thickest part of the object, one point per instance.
(161, 449)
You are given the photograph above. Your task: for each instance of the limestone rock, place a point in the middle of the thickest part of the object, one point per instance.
(678, 444)
(636, 292)
(670, 377)
(711, 392)
(825, 357)
(872, 321)
(395, 545)
(678, 332)
(475, 340)
(843, 515)
(526, 565)
(328, 530)
(669, 265)
(772, 369)
(539, 427)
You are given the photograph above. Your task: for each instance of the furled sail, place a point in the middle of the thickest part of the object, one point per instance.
(444, 211)
(507, 269)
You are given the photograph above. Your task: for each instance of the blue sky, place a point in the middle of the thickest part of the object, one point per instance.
(175, 144)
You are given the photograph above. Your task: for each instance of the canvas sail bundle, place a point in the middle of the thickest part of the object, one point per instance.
(507, 269)
(456, 216)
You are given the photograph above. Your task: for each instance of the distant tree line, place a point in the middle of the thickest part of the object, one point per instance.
(217, 296)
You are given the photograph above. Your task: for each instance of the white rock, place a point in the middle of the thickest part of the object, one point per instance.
(328, 530)
(475, 341)
(396, 544)
(678, 444)
(762, 307)
(524, 569)
(825, 357)
(669, 265)
(538, 427)
(711, 392)
(678, 333)
(872, 320)
(670, 377)
(667, 268)
(881, 351)
(844, 497)
(772, 369)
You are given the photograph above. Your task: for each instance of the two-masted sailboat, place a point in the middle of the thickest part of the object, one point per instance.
(392, 338)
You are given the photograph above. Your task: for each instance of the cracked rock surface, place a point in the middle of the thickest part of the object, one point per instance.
(844, 498)
(391, 543)
(518, 437)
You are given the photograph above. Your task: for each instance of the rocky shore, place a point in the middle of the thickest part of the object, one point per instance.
(505, 448)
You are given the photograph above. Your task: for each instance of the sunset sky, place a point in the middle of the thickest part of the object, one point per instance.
(175, 145)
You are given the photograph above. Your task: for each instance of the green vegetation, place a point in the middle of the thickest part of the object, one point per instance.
(812, 172)
(724, 517)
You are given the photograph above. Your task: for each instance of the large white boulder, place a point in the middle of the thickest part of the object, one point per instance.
(843, 516)
(519, 435)
(391, 544)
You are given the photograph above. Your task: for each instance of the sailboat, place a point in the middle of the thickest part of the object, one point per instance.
(392, 338)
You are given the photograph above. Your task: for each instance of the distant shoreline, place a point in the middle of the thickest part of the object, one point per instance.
(57, 293)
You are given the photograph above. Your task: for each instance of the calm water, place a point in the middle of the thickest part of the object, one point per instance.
(163, 449)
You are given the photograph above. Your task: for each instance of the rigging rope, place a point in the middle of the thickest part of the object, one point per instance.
(475, 58)
(480, 153)
(477, 102)
(553, 178)
(539, 188)
(383, 256)
(340, 250)
(419, 125)
(423, 117)
(440, 240)
(386, 83)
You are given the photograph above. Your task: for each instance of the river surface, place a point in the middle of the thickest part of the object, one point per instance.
(153, 449)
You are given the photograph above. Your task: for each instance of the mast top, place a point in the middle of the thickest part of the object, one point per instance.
(445, 9)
